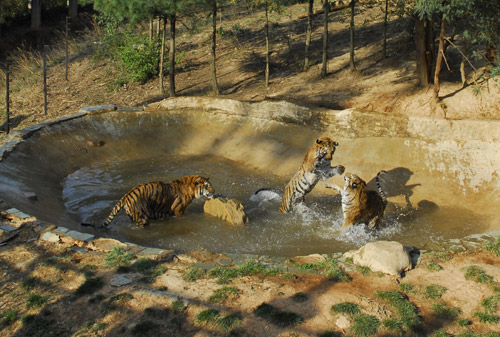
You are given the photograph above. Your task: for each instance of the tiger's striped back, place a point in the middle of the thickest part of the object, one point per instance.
(156, 200)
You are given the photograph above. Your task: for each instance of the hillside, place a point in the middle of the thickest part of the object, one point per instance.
(386, 85)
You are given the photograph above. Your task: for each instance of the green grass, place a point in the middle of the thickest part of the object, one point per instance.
(363, 270)
(477, 274)
(224, 323)
(444, 311)
(364, 325)
(335, 273)
(276, 316)
(35, 300)
(246, 269)
(178, 306)
(220, 295)
(406, 288)
(434, 267)
(9, 316)
(207, 316)
(463, 322)
(490, 304)
(29, 283)
(119, 257)
(484, 317)
(407, 312)
(434, 291)
(149, 268)
(441, 333)
(113, 302)
(346, 308)
(493, 247)
(194, 274)
(394, 325)
(90, 286)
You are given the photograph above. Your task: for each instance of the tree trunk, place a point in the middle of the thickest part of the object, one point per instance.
(351, 30)
(171, 70)
(308, 34)
(267, 45)
(36, 14)
(424, 51)
(73, 9)
(324, 68)
(463, 76)
(385, 27)
(439, 60)
(214, 43)
(162, 55)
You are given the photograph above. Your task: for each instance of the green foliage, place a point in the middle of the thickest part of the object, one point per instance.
(29, 283)
(477, 274)
(392, 324)
(493, 247)
(434, 266)
(246, 269)
(363, 270)
(434, 291)
(194, 274)
(178, 306)
(347, 308)
(276, 316)
(36, 300)
(119, 257)
(364, 325)
(490, 304)
(139, 58)
(223, 294)
(149, 268)
(212, 317)
(9, 316)
(207, 316)
(486, 318)
(407, 312)
(440, 333)
(406, 287)
(443, 311)
(463, 322)
(229, 322)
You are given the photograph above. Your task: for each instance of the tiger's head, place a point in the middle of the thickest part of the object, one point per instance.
(203, 187)
(354, 185)
(321, 151)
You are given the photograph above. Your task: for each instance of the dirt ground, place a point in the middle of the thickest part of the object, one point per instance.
(40, 281)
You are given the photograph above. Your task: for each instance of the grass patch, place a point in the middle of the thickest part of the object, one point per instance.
(335, 273)
(434, 267)
(406, 288)
(194, 274)
(490, 304)
(90, 286)
(442, 310)
(346, 308)
(119, 257)
(407, 312)
(394, 325)
(224, 323)
(276, 316)
(29, 283)
(9, 316)
(300, 297)
(246, 269)
(113, 302)
(493, 247)
(477, 275)
(220, 295)
(178, 306)
(434, 291)
(363, 270)
(149, 268)
(441, 333)
(364, 325)
(484, 317)
(35, 300)
(463, 322)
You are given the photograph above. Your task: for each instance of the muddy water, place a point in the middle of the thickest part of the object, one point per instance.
(442, 176)
(313, 227)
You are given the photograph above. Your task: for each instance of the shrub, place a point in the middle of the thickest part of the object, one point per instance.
(119, 257)
(434, 291)
(139, 58)
(364, 325)
(347, 308)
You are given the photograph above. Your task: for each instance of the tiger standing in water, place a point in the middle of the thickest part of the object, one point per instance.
(157, 200)
(316, 166)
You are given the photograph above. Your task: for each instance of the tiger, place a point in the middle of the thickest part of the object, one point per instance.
(316, 166)
(360, 205)
(156, 200)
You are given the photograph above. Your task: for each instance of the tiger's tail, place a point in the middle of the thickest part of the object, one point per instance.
(380, 190)
(113, 213)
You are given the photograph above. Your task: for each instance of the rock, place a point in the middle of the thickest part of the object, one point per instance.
(229, 210)
(31, 196)
(388, 257)
(343, 322)
(50, 237)
(119, 281)
(308, 259)
(105, 245)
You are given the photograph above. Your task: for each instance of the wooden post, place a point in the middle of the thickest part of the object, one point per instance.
(73, 9)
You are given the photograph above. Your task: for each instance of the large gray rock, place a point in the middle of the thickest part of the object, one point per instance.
(388, 257)
(229, 210)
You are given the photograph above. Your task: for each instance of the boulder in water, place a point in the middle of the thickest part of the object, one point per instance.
(229, 210)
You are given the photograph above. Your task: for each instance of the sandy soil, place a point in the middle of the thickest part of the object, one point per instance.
(142, 309)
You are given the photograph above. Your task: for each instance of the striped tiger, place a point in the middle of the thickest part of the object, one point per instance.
(360, 205)
(156, 200)
(316, 166)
